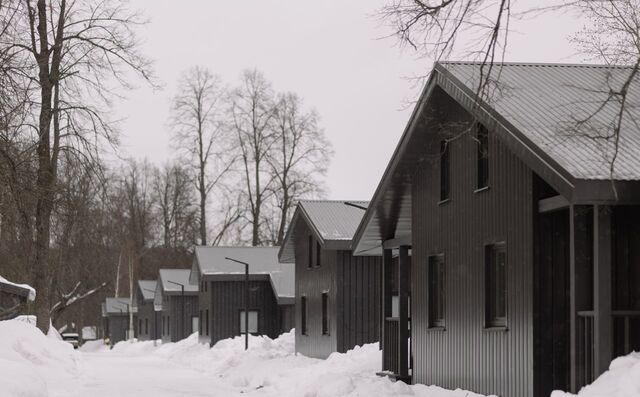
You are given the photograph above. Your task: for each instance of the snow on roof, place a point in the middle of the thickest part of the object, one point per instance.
(262, 261)
(171, 281)
(546, 101)
(117, 306)
(19, 289)
(147, 288)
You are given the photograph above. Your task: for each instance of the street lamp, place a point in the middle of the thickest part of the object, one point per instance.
(183, 314)
(246, 300)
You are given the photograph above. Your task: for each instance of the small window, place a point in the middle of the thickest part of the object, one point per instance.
(482, 137)
(317, 254)
(253, 322)
(310, 258)
(303, 315)
(195, 324)
(436, 293)
(325, 313)
(496, 285)
(200, 330)
(206, 319)
(445, 185)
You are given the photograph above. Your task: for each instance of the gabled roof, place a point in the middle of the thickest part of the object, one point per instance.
(147, 289)
(333, 222)
(23, 290)
(117, 306)
(210, 263)
(172, 280)
(533, 109)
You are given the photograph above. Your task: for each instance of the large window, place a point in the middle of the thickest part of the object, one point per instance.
(325, 313)
(445, 185)
(253, 322)
(482, 137)
(436, 293)
(496, 285)
(303, 315)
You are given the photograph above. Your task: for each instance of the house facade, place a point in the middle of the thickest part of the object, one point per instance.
(223, 291)
(147, 322)
(115, 317)
(337, 294)
(177, 302)
(521, 235)
(14, 298)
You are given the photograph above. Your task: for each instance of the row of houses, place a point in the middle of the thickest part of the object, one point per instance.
(499, 253)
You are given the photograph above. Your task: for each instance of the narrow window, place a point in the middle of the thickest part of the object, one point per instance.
(168, 325)
(444, 171)
(206, 287)
(206, 318)
(146, 326)
(325, 313)
(253, 322)
(317, 253)
(482, 136)
(163, 325)
(195, 324)
(303, 315)
(496, 285)
(310, 258)
(436, 293)
(139, 326)
(200, 330)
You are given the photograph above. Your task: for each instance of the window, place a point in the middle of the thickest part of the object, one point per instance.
(310, 246)
(303, 315)
(482, 136)
(206, 287)
(200, 330)
(444, 171)
(253, 322)
(146, 326)
(317, 253)
(325, 313)
(436, 292)
(206, 319)
(162, 325)
(168, 326)
(195, 324)
(139, 326)
(496, 285)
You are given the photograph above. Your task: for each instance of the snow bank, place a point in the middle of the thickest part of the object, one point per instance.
(32, 291)
(621, 380)
(29, 360)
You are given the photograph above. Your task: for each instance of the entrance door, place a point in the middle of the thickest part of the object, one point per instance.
(552, 326)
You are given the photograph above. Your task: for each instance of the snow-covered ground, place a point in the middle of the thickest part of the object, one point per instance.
(34, 365)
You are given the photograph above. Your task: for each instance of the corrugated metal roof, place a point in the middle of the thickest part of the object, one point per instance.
(147, 288)
(261, 260)
(563, 110)
(117, 306)
(180, 276)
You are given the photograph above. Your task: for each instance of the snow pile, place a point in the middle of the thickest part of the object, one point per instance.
(621, 380)
(32, 291)
(30, 361)
(93, 346)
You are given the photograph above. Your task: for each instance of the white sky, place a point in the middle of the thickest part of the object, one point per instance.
(330, 52)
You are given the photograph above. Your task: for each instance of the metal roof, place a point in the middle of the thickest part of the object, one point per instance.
(548, 102)
(117, 306)
(334, 222)
(168, 277)
(147, 288)
(23, 290)
(263, 262)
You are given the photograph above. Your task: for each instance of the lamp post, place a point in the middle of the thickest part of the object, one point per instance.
(182, 299)
(246, 300)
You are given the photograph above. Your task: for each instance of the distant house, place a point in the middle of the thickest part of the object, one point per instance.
(337, 294)
(148, 317)
(177, 300)
(13, 298)
(523, 236)
(115, 315)
(222, 292)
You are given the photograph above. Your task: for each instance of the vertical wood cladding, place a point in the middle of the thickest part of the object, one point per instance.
(467, 355)
(179, 320)
(146, 315)
(227, 301)
(204, 303)
(353, 286)
(117, 328)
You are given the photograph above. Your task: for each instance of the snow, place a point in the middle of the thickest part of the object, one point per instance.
(621, 380)
(32, 291)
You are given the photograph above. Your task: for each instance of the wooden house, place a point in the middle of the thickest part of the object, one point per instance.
(115, 317)
(148, 316)
(14, 298)
(222, 292)
(337, 294)
(177, 300)
(522, 231)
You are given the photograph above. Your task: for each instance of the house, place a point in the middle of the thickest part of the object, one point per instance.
(177, 301)
(13, 298)
(337, 294)
(115, 317)
(222, 292)
(523, 236)
(148, 317)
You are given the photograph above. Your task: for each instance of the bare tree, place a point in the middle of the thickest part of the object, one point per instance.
(252, 111)
(197, 119)
(299, 156)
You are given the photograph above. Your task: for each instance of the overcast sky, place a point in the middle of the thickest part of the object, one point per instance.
(331, 52)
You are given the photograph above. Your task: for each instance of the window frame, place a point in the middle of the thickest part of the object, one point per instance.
(318, 254)
(436, 297)
(241, 318)
(482, 157)
(310, 251)
(496, 288)
(326, 320)
(304, 328)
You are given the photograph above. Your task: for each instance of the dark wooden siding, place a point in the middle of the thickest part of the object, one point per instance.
(287, 318)
(227, 300)
(204, 302)
(358, 300)
(174, 310)
(146, 314)
(467, 355)
(117, 328)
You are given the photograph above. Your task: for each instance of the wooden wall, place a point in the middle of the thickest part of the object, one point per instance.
(117, 328)
(176, 315)
(204, 303)
(147, 313)
(466, 355)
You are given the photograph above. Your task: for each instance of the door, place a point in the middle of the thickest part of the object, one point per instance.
(195, 324)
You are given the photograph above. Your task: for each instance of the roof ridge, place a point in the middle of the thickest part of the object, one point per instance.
(539, 64)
